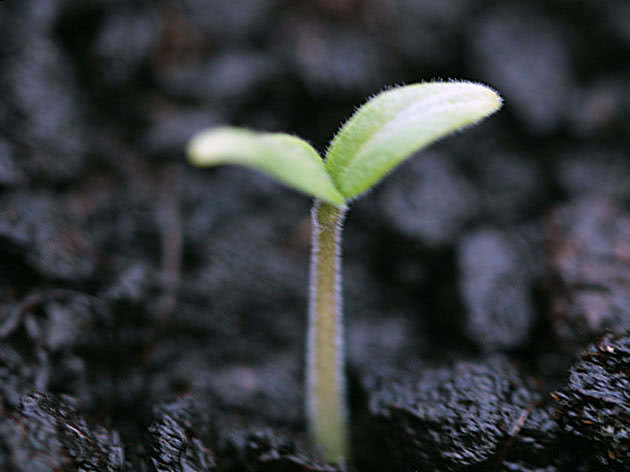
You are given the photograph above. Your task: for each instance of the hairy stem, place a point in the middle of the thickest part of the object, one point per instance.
(325, 386)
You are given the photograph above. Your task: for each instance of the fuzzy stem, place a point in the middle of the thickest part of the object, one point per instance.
(325, 386)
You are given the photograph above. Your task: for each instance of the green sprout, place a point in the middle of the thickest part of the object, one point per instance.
(382, 133)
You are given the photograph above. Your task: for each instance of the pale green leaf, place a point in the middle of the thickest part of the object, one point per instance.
(287, 158)
(398, 122)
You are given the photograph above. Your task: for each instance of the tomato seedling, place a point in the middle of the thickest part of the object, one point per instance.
(382, 133)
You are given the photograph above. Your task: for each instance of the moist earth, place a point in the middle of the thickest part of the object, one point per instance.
(152, 315)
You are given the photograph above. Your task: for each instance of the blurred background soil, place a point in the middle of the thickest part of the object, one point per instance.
(152, 315)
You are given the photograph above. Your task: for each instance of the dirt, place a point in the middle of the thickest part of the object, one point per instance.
(152, 315)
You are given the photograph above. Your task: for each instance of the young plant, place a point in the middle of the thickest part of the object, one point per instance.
(380, 135)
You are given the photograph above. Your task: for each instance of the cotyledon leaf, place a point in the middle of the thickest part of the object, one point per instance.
(398, 122)
(287, 158)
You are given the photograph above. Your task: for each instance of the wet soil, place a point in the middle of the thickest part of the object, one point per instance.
(152, 315)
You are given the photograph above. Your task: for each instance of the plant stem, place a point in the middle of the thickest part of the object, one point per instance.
(325, 386)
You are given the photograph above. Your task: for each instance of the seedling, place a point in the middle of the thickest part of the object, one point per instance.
(380, 135)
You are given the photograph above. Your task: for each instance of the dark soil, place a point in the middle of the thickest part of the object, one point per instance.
(152, 315)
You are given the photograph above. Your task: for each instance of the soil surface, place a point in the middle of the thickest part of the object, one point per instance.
(152, 315)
